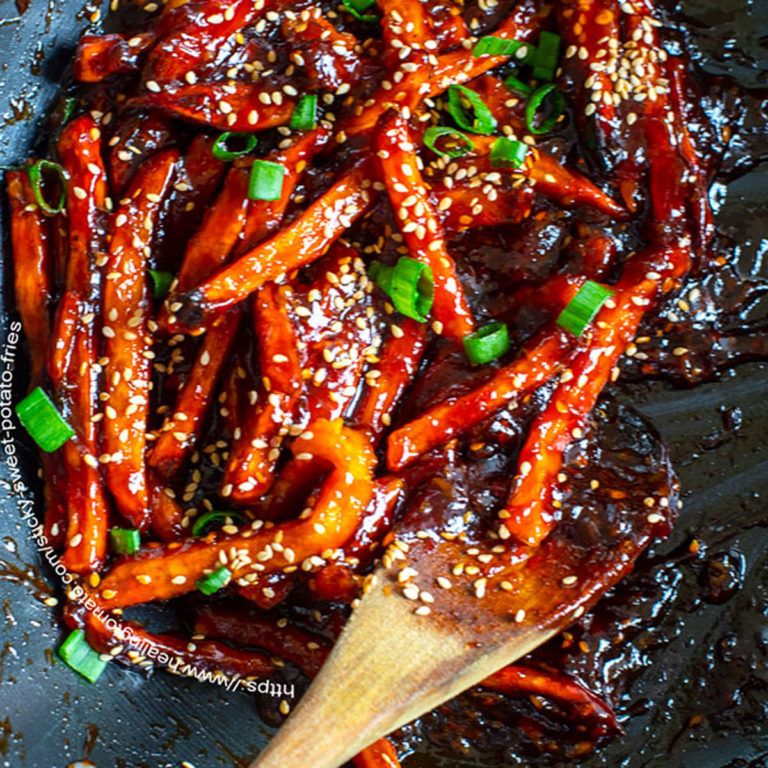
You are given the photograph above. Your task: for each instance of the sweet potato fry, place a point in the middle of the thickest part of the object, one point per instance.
(99, 56)
(529, 514)
(294, 482)
(381, 754)
(539, 360)
(338, 581)
(181, 429)
(253, 457)
(462, 207)
(252, 553)
(303, 241)
(236, 107)
(234, 221)
(125, 310)
(164, 512)
(455, 67)
(193, 34)
(265, 216)
(336, 321)
(567, 187)
(73, 357)
(420, 224)
(579, 701)
(32, 269)
(270, 591)
(406, 29)
(132, 143)
(581, 26)
(131, 643)
(398, 364)
(249, 628)
(329, 56)
(210, 246)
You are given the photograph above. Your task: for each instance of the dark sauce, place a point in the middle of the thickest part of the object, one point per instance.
(719, 319)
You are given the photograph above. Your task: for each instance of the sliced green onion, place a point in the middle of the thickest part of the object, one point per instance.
(477, 118)
(304, 115)
(213, 582)
(161, 282)
(356, 8)
(538, 97)
(266, 180)
(547, 55)
(496, 46)
(36, 173)
(221, 151)
(487, 343)
(209, 519)
(39, 416)
(409, 284)
(77, 654)
(432, 134)
(125, 541)
(68, 109)
(508, 153)
(518, 86)
(583, 307)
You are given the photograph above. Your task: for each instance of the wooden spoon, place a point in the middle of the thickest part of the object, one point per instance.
(394, 660)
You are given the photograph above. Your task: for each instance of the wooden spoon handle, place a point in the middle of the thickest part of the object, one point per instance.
(388, 667)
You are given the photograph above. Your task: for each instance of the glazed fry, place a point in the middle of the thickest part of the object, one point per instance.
(420, 225)
(539, 361)
(300, 243)
(335, 515)
(251, 468)
(396, 370)
(456, 67)
(328, 55)
(529, 515)
(381, 754)
(73, 357)
(99, 56)
(241, 107)
(125, 309)
(517, 680)
(179, 432)
(32, 269)
(193, 34)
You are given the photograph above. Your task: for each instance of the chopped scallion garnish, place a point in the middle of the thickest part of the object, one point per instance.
(497, 46)
(231, 145)
(447, 148)
(266, 180)
(469, 111)
(409, 284)
(508, 153)
(356, 8)
(77, 654)
(583, 307)
(543, 94)
(125, 541)
(39, 416)
(40, 176)
(518, 86)
(304, 116)
(487, 343)
(161, 282)
(209, 519)
(547, 55)
(213, 582)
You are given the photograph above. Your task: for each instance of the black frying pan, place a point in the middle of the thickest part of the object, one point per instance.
(698, 694)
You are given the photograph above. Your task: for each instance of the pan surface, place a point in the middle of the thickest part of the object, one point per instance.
(698, 693)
